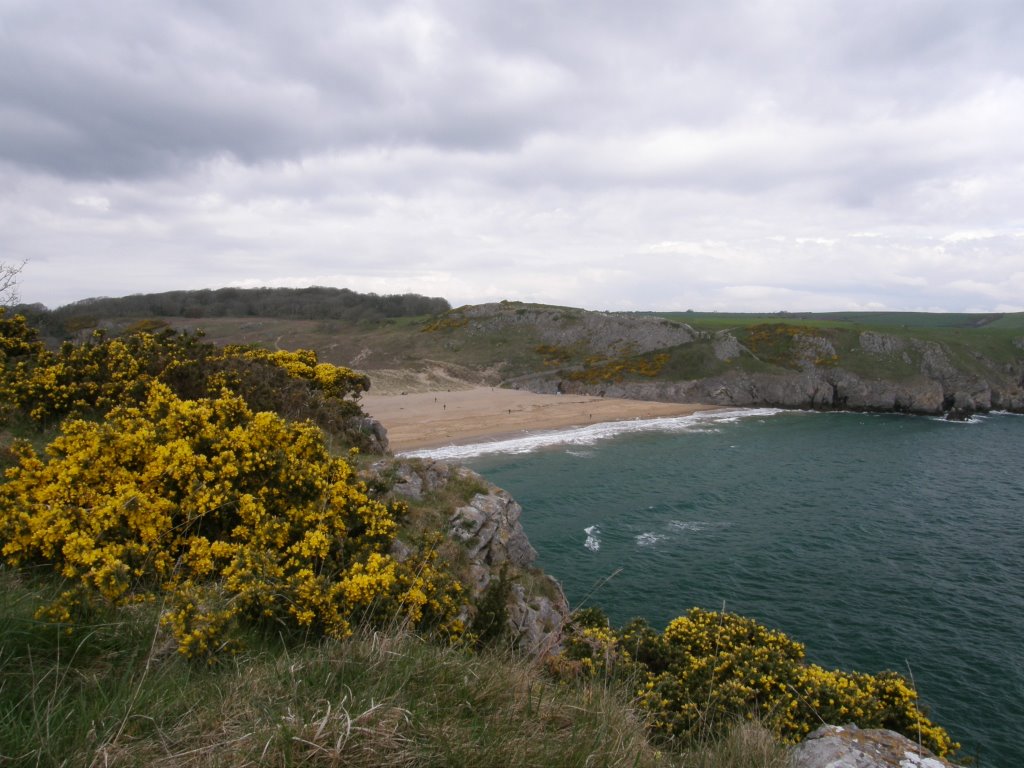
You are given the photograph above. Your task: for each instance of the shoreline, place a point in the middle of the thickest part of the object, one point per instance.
(418, 421)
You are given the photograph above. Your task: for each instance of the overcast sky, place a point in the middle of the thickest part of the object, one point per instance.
(665, 154)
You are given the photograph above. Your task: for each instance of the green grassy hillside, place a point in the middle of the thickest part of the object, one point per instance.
(514, 343)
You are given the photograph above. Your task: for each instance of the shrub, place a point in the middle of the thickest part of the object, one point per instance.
(709, 669)
(89, 378)
(232, 516)
(17, 338)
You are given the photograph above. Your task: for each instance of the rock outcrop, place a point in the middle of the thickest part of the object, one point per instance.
(496, 549)
(488, 527)
(376, 435)
(610, 333)
(848, 746)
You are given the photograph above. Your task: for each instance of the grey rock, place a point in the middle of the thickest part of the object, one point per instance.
(497, 547)
(610, 333)
(480, 577)
(376, 433)
(813, 349)
(881, 343)
(536, 621)
(489, 527)
(413, 479)
(409, 484)
(848, 746)
(726, 346)
(935, 363)
(827, 388)
(915, 375)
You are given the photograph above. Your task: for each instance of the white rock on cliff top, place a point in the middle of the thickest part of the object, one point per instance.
(832, 746)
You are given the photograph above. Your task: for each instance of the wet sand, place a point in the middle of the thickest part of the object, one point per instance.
(420, 420)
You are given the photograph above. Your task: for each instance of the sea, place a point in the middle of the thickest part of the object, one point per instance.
(879, 541)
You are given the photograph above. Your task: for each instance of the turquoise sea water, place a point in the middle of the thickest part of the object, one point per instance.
(881, 542)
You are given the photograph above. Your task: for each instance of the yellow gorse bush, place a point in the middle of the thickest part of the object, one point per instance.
(79, 378)
(18, 341)
(330, 380)
(17, 337)
(708, 668)
(89, 378)
(231, 516)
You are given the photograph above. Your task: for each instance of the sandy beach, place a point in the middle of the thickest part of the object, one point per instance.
(420, 420)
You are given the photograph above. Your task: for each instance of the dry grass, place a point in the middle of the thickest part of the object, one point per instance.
(748, 745)
(111, 695)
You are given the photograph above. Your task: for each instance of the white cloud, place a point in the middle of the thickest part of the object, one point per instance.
(95, 202)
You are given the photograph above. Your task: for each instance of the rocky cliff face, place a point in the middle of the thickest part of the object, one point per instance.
(911, 376)
(605, 332)
(496, 555)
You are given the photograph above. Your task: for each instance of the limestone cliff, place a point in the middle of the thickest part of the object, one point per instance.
(887, 373)
(487, 546)
(606, 332)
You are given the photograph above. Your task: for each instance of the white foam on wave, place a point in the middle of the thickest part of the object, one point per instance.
(593, 543)
(592, 433)
(690, 526)
(648, 539)
(696, 526)
(974, 419)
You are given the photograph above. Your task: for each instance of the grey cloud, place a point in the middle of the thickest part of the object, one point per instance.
(149, 90)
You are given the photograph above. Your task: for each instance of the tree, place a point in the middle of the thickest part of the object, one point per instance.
(9, 283)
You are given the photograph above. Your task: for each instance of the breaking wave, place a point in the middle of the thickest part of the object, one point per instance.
(592, 433)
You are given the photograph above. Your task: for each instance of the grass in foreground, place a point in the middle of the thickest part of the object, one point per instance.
(116, 693)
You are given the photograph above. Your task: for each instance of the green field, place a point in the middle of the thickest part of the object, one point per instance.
(887, 322)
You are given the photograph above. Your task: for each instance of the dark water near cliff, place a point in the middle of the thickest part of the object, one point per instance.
(882, 542)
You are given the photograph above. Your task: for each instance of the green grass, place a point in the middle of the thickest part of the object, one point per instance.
(887, 321)
(116, 693)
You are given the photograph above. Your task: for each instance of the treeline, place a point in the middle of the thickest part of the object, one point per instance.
(314, 303)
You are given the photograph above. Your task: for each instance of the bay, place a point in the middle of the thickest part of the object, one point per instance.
(879, 541)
